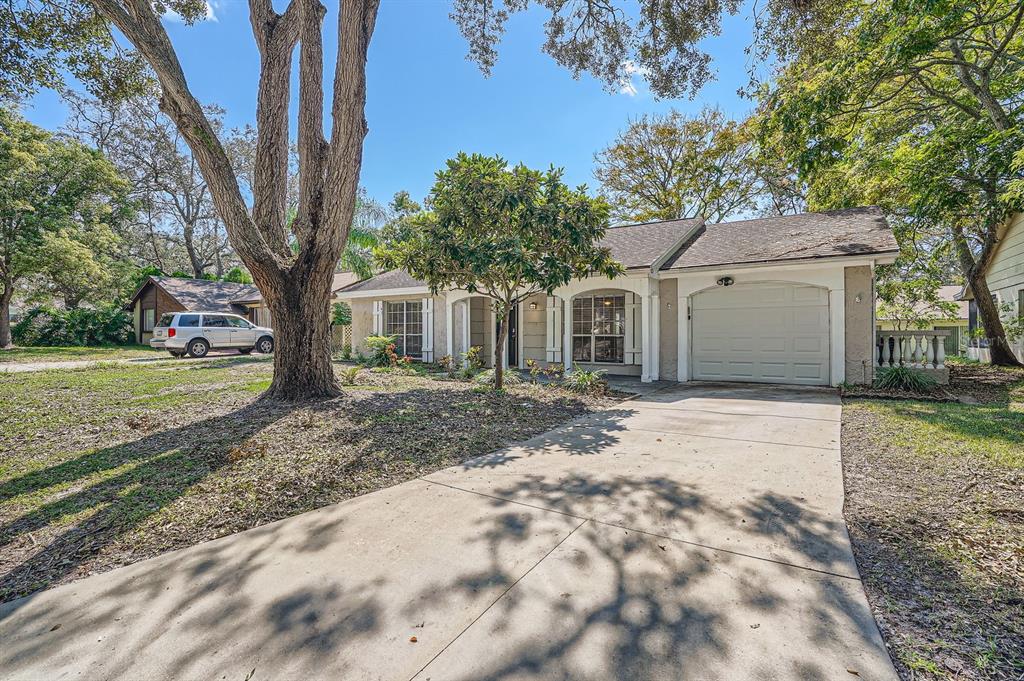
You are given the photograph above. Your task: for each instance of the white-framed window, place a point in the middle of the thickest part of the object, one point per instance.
(148, 318)
(599, 329)
(404, 321)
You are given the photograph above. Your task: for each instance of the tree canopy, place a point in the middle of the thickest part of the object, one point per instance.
(505, 232)
(59, 202)
(915, 106)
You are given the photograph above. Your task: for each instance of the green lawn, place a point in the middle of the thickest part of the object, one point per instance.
(65, 354)
(108, 465)
(936, 513)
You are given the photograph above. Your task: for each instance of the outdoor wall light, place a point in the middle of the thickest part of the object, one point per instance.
(533, 306)
(725, 281)
(857, 299)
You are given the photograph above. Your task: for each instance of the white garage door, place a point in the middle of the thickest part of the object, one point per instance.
(767, 333)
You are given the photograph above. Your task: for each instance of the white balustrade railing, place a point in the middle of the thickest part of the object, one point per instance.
(917, 349)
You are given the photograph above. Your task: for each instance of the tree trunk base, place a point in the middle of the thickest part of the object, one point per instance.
(303, 371)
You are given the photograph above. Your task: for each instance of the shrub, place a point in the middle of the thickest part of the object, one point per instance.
(106, 325)
(348, 375)
(382, 351)
(473, 359)
(904, 378)
(587, 382)
(448, 365)
(487, 378)
(554, 371)
(341, 314)
(346, 351)
(535, 369)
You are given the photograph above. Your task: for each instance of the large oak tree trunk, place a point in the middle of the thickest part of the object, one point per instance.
(296, 286)
(999, 346)
(300, 307)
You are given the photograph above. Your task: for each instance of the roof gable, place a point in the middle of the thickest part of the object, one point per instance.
(202, 294)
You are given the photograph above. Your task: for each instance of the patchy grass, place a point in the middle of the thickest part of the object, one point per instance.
(68, 354)
(109, 465)
(935, 508)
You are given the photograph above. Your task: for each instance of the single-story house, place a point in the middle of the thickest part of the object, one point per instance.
(779, 300)
(1005, 276)
(957, 325)
(159, 295)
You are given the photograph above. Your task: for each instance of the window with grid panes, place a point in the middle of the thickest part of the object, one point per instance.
(404, 321)
(599, 329)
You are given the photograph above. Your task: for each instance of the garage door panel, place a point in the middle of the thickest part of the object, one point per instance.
(775, 333)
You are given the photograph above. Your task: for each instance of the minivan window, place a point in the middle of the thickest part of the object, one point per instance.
(165, 320)
(188, 320)
(215, 320)
(239, 323)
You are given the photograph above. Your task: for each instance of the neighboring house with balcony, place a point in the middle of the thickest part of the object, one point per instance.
(925, 317)
(159, 295)
(1005, 276)
(785, 299)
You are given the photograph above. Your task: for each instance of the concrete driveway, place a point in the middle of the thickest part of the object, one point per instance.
(693, 533)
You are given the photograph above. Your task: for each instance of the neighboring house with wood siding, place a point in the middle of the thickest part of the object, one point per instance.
(1005, 276)
(786, 299)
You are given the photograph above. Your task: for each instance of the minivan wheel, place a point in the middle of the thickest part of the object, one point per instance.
(198, 348)
(265, 345)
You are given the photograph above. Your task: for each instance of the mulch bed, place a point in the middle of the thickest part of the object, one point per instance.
(159, 479)
(939, 535)
(968, 383)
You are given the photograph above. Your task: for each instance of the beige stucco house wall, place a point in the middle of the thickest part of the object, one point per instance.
(806, 319)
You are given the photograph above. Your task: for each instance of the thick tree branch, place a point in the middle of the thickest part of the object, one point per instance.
(141, 25)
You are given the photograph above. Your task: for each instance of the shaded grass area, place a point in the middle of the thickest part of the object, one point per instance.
(109, 465)
(69, 354)
(935, 507)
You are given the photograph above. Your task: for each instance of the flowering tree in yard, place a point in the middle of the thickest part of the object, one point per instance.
(508, 233)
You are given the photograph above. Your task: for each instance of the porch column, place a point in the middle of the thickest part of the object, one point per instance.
(653, 331)
(449, 326)
(566, 302)
(465, 329)
(646, 317)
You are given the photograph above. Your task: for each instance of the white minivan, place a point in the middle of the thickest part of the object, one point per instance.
(196, 333)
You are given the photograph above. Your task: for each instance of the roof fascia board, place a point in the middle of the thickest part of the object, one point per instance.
(656, 265)
(382, 292)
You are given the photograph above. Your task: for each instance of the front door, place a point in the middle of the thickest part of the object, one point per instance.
(512, 346)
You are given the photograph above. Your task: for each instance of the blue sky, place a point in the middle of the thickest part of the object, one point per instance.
(426, 102)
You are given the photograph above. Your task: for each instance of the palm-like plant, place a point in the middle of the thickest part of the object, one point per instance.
(363, 236)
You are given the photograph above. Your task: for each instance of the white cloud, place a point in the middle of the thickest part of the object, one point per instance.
(632, 80)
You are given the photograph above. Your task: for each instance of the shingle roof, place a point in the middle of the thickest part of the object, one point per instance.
(386, 280)
(634, 246)
(200, 294)
(642, 245)
(852, 231)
